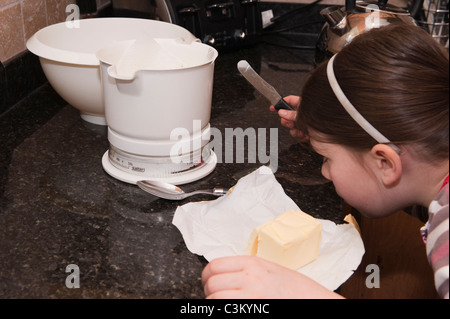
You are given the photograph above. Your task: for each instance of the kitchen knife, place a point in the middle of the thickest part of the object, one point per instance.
(262, 86)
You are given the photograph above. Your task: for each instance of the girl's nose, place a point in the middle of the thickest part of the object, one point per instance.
(325, 172)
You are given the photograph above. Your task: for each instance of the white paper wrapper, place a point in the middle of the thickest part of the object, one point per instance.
(222, 227)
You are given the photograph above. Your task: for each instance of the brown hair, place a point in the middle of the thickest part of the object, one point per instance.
(397, 78)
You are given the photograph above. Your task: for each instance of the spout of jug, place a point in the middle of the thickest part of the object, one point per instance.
(112, 72)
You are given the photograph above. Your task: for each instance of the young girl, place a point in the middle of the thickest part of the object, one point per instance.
(378, 114)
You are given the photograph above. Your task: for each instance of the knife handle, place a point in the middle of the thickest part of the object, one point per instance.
(282, 104)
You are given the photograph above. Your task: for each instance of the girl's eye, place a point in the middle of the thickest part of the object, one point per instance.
(324, 159)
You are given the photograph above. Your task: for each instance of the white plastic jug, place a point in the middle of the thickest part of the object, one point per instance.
(153, 86)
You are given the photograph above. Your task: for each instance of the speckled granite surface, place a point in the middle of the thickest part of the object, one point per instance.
(59, 207)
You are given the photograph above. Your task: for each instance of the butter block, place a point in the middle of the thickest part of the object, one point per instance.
(291, 239)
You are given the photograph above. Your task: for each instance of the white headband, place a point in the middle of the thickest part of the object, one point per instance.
(365, 125)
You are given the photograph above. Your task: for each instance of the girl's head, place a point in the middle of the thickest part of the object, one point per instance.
(397, 78)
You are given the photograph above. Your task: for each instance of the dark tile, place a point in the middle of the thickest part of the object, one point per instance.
(18, 78)
(23, 75)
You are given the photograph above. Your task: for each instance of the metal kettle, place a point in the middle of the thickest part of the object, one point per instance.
(344, 24)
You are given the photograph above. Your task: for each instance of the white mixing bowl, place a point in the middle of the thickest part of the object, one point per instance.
(68, 56)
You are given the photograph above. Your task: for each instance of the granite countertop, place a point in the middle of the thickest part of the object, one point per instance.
(59, 207)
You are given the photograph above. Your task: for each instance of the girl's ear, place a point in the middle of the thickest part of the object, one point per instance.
(388, 163)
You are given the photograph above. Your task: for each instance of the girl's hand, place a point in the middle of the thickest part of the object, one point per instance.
(288, 117)
(251, 277)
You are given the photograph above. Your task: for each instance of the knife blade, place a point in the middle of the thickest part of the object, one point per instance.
(262, 86)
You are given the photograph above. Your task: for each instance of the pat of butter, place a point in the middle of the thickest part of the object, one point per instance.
(291, 239)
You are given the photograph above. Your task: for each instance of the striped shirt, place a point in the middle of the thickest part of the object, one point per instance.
(435, 234)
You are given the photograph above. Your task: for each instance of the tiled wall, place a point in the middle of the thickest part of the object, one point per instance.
(20, 19)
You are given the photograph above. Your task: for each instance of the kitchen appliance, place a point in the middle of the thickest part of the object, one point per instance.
(222, 24)
(344, 24)
(157, 94)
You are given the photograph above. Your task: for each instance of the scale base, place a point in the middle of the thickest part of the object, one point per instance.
(188, 176)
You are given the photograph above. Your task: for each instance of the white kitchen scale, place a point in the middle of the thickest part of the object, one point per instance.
(135, 168)
(131, 167)
(157, 94)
